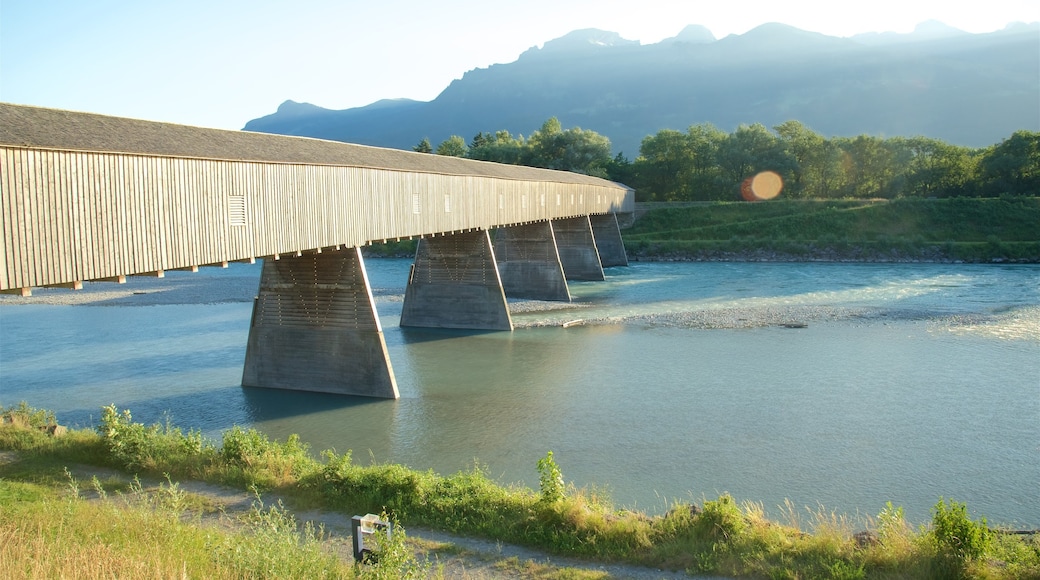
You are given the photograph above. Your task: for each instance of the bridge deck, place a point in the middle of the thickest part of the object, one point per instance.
(90, 197)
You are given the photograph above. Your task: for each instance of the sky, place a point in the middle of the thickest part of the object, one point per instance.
(217, 63)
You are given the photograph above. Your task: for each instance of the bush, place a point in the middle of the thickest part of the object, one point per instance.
(721, 520)
(957, 537)
(27, 416)
(550, 479)
(154, 448)
(262, 462)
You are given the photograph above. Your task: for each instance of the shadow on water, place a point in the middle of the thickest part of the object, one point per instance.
(213, 410)
(419, 335)
(207, 410)
(270, 404)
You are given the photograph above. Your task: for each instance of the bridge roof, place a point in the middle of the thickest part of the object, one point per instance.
(37, 127)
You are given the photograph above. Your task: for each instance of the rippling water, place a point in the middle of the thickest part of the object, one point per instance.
(841, 385)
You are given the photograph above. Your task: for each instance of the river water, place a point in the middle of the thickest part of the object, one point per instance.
(836, 385)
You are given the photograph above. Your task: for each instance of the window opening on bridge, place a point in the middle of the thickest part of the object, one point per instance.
(236, 210)
(501, 201)
(416, 205)
(558, 196)
(447, 203)
(541, 200)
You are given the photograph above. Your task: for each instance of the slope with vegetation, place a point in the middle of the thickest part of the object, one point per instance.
(1003, 229)
(719, 537)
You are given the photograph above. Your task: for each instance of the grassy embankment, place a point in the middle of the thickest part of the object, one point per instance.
(46, 529)
(954, 229)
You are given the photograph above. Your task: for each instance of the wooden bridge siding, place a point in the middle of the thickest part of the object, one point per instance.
(74, 216)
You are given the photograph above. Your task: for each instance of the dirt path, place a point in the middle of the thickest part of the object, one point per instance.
(455, 556)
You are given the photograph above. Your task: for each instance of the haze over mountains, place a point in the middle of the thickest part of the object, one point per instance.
(966, 89)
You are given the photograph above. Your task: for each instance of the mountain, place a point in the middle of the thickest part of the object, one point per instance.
(966, 89)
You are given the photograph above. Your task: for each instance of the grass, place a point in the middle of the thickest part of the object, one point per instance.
(46, 533)
(719, 537)
(967, 229)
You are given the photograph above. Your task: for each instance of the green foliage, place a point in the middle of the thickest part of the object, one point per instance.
(970, 229)
(136, 446)
(956, 534)
(573, 149)
(707, 164)
(396, 561)
(721, 520)
(423, 146)
(27, 416)
(262, 462)
(278, 546)
(453, 146)
(1013, 166)
(550, 479)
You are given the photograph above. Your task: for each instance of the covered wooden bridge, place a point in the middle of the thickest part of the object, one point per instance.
(87, 197)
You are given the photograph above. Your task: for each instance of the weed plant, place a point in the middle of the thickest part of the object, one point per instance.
(720, 537)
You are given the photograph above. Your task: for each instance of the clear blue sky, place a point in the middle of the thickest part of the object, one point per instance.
(217, 63)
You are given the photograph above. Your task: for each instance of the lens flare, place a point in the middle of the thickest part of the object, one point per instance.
(764, 185)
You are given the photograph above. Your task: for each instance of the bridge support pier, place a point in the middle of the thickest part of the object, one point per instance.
(577, 247)
(529, 262)
(608, 240)
(454, 283)
(315, 328)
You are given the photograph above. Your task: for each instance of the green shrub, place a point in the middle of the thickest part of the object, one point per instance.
(154, 448)
(262, 462)
(721, 520)
(550, 479)
(27, 416)
(958, 538)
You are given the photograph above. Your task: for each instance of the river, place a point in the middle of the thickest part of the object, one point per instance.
(841, 386)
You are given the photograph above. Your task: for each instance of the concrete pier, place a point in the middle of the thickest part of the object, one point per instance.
(454, 283)
(315, 328)
(529, 262)
(608, 240)
(577, 247)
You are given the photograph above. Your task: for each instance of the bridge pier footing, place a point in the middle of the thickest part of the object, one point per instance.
(315, 328)
(529, 262)
(577, 247)
(454, 283)
(608, 240)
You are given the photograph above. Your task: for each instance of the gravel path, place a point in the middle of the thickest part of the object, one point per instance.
(469, 558)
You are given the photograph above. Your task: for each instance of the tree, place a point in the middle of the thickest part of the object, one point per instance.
(664, 161)
(817, 170)
(620, 169)
(481, 139)
(423, 146)
(870, 167)
(705, 141)
(576, 149)
(749, 150)
(1013, 166)
(453, 146)
(500, 148)
(938, 169)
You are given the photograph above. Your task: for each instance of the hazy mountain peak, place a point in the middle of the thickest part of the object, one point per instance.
(693, 34)
(934, 29)
(927, 30)
(291, 108)
(582, 41)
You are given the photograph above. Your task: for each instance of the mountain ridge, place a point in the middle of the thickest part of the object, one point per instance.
(963, 88)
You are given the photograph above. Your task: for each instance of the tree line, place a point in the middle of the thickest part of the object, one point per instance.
(705, 163)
